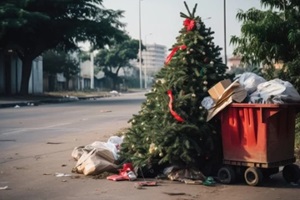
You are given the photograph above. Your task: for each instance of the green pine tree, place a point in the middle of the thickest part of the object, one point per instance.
(166, 132)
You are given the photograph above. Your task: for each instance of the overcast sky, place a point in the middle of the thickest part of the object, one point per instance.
(161, 19)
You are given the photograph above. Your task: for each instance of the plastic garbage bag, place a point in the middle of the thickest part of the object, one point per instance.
(176, 173)
(207, 103)
(275, 91)
(250, 81)
(114, 143)
(94, 158)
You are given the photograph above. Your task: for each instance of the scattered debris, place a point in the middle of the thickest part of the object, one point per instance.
(4, 188)
(138, 186)
(294, 184)
(115, 93)
(192, 182)
(127, 173)
(102, 175)
(20, 168)
(176, 173)
(12, 140)
(54, 143)
(209, 181)
(62, 174)
(37, 157)
(147, 183)
(63, 165)
(105, 111)
(174, 193)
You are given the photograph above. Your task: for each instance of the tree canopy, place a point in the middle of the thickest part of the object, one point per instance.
(57, 61)
(111, 59)
(30, 27)
(270, 35)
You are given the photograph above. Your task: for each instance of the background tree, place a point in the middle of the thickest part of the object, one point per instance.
(270, 36)
(37, 25)
(57, 61)
(171, 127)
(111, 59)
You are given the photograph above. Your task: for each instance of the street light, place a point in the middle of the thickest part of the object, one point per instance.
(92, 69)
(225, 43)
(146, 62)
(140, 45)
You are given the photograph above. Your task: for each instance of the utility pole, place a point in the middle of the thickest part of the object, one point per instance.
(92, 69)
(140, 45)
(225, 43)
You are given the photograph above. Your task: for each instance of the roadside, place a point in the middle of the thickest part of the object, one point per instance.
(53, 97)
(42, 170)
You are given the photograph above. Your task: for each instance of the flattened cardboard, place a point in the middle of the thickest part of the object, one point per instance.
(233, 93)
(217, 90)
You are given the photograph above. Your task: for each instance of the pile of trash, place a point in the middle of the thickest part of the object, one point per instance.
(249, 88)
(99, 157)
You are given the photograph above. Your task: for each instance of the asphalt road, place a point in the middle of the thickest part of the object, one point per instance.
(31, 124)
(36, 144)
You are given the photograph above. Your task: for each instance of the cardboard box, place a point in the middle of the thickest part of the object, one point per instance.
(233, 93)
(217, 90)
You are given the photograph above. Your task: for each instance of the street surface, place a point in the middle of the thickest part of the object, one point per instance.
(36, 142)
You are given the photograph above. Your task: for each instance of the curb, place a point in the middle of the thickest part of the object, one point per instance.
(35, 103)
(48, 101)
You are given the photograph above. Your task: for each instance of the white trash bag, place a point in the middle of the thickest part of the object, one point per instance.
(250, 81)
(275, 91)
(97, 157)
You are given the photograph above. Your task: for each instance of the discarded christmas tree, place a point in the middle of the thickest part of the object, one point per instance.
(171, 127)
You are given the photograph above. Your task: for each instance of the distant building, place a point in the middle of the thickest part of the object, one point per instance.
(234, 62)
(154, 57)
(85, 74)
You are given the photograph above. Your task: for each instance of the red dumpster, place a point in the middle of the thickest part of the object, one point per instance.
(259, 138)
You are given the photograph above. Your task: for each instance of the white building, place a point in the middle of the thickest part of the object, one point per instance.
(154, 57)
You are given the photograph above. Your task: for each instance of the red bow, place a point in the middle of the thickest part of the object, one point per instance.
(175, 115)
(189, 24)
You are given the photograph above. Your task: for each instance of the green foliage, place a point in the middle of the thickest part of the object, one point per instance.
(113, 58)
(30, 27)
(155, 136)
(56, 61)
(291, 72)
(270, 36)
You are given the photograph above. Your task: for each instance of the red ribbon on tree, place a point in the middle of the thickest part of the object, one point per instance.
(174, 50)
(175, 115)
(189, 24)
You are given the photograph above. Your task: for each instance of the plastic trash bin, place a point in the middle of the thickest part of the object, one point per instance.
(257, 139)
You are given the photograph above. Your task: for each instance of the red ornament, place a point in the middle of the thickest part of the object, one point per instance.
(175, 115)
(189, 24)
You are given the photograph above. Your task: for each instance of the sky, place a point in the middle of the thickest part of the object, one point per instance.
(161, 21)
